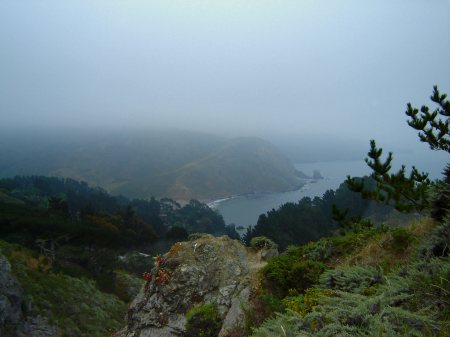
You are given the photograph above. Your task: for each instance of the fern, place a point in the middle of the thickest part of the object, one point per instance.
(283, 325)
(354, 279)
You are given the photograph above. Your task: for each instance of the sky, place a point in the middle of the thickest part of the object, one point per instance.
(341, 69)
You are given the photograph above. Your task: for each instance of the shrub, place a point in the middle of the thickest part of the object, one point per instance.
(430, 285)
(203, 321)
(353, 279)
(262, 306)
(437, 244)
(440, 197)
(351, 242)
(305, 303)
(305, 274)
(196, 236)
(73, 304)
(290, 272)
(320, 250)
(401, 239)
(261, 242)
(287, 325)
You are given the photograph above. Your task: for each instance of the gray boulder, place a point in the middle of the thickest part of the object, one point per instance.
(13, 321)
(207, 270)
(10, 296)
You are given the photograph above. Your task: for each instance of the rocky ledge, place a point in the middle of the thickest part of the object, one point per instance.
(205, 270)
(16, 315)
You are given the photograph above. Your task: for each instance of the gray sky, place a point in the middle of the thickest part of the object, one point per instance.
(239, 67)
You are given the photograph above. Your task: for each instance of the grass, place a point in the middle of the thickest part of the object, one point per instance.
(377, 284)
(390, 251)
(75, 305)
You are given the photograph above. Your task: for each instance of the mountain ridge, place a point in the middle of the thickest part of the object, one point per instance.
(177, 164)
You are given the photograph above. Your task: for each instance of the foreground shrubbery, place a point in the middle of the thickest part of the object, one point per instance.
(202, 321)
(358, 300)
(73, 304)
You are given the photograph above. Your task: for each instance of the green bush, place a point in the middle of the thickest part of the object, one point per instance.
(196, 236)
(271, 303)
(401, 239)
(429, 282)
(305, 303)
(438, 243)
(276, 273)
(262, 307)
(320, 250)
(203, 321)
(289, 272)
(261, 242)
(343, 245)
(75, 305)
(412, 302)
(353, 279)
(440, 196)
(127, 286)
(287, 325)
(304, 274)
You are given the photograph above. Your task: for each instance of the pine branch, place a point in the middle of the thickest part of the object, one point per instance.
(433, 127)
(404, 193)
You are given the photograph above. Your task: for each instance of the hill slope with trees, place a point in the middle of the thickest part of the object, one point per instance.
(176, 164)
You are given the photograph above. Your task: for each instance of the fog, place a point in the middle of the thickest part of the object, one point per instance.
(341, 71)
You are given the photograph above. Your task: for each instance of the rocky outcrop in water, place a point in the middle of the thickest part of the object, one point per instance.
(208, 270)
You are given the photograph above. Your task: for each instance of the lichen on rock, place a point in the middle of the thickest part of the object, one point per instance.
(208, 270)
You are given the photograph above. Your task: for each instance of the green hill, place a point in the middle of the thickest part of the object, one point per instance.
(238, 166)
(176, 164)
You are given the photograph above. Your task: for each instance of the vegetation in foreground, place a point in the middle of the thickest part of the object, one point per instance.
(79, 253)
(382, 282)
(74, 304)
(385, 281)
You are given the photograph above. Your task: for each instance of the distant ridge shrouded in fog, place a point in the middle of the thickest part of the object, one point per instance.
(176, 164)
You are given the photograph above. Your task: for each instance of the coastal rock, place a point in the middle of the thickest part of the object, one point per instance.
(317, 175)
(207, 270)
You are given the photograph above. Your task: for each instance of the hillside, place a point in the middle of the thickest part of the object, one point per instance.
(375, 282)
(72, 256)
(239, 166)
(175, 164)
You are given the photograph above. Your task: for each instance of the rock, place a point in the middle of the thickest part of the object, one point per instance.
(10, 296)
(207, 270)
(13, 321)
(317, 175)
(234, 317)
(37, 327)
(267, 254)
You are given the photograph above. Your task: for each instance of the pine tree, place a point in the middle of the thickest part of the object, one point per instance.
(408, 192)
(433, 127)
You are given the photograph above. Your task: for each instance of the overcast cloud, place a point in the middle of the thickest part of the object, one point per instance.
(250, 67)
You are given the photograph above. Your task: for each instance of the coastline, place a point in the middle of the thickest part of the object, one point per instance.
(214, 204)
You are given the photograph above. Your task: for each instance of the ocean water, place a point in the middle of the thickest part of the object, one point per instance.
(245, 210)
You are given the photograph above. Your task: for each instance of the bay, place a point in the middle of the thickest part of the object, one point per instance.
(244, 210)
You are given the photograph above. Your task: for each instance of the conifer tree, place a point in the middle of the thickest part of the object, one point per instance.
(433, 127)
(408, 192)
